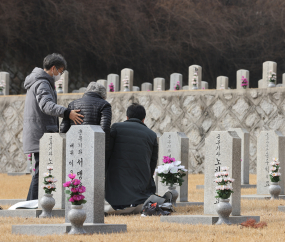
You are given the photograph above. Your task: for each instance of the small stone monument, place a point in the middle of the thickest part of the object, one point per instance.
(136, 89)
(240, 74)
(159, 84)
(82, 90)
(113, 78)
(195, 69)
(103, 83)
(5, 76)
(204, 85)
(283, 80)
(174, 78)
(127, 73)
(52, 153)
(85, 157)
(222, 82)
(266, 68)
(64, 78)
(185, 88)
(146, 86)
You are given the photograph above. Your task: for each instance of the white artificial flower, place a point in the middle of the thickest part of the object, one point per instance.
(224, 168)
(174, 170)
(176, 163)
(45, 174)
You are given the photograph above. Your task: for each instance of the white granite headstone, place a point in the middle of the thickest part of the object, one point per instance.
(5, 76)
(113, 78)
(174, 78)
(52, 153)
(85, 157)
(222, 82)
(185, 87)
(136, 89)
(174, 144)
(242, 73)
(204, 85)
(127, 73)
(195, 69)
(266, 68)
(223, 148)
(64, 78)
(82, 90)
(103, 83)
(159, 84)
(270, 144)
(146, 86)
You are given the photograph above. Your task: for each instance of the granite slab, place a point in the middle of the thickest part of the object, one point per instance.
(260, 197)
(30, 213)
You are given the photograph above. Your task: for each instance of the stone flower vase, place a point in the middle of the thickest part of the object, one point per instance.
(59, 90)
(224, 209)
(47, 202)
(126, 89)
(174, 193)
(274, 190)
(77, 217)
(194, 87)
(271, 84)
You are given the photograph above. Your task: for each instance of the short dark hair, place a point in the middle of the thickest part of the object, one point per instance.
(136, 111)
(56, 60)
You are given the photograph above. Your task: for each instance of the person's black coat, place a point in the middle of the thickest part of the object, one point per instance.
(131, 163)
(96, 111)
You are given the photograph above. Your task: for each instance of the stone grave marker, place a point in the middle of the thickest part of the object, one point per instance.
(174, 78)
(174, 144)
(222, 82)
(270, 144)
(52, 153)
(266, 68)
(113, 78)
(195, 69)
(283, 79)
(127, 73)
(240, 74)
(244, 135)
(82, 90)
(223, 148)
(103, 82)
(136, 89)
(5, 76)
(204, 85)
(146, 86)
(159, 82)
(64, 78)
(185, 88)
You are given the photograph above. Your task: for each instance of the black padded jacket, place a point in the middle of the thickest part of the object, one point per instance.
(96, 111)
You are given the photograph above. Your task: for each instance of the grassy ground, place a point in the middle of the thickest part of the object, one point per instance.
(150, 228)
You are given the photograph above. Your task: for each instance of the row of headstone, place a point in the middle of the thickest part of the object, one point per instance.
(5, 77)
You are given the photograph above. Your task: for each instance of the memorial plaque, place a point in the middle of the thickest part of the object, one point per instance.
(223, 148)
(174, 144)
(52, 153)
(270, 144)
(85, 157)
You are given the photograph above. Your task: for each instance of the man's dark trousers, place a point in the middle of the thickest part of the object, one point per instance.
(34, 187)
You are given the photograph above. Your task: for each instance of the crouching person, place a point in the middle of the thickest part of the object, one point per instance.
(131, 161)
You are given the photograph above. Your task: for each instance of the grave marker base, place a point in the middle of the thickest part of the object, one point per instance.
(18, 173)
(30, 213)
(204, 219)
(183, 204)
(244, 186)
(260, 197)
(10, 201)
(48, 229)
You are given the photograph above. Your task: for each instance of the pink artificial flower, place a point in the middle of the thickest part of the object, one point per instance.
(67, 184)
(82, 189)
(76, 182)
(81, 197)
(34, 169)
(74, 189)
(77, 197)
(29, 155)
(71, 176)
(71, 199)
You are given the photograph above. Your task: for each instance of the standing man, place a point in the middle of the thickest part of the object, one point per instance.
(132, 161)
(41, 110)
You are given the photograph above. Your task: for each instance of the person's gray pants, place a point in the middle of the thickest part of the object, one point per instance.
(34, 187)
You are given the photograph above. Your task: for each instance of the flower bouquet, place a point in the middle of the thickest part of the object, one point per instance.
(111, 87)
(224, 188)
(76, 215)
(274, 188)
(158, 87)
(244, 82)
(126, 84)
(177, 86)
(47, 201)
(272, 76)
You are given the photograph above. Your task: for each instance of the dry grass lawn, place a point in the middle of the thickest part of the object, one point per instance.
(150, 228)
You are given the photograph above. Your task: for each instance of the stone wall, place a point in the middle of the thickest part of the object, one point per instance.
(195, 113)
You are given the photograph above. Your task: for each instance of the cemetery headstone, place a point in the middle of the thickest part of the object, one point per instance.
(75, 91)
(52, 153)
(64, 78)
(136, 89)
(240, 74)
(174, 78)
(223, 148)
(195, 69)
(146, 86)
(5, 76)
(222, 83)
(174, 144)
(127, 73)
(113, 78)
(82, 90)
(204, 85)
(159, 84)
(266, 68)
(85, 157)
(244, 135)
(185, 87)
(283, 79)
(270, 144)
(103, 82)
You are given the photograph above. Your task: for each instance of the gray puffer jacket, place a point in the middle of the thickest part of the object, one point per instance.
(41, 110)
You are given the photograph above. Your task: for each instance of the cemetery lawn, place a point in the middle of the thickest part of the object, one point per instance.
(150, 228)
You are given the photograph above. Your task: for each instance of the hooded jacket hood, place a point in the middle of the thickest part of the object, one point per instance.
(38, 74)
